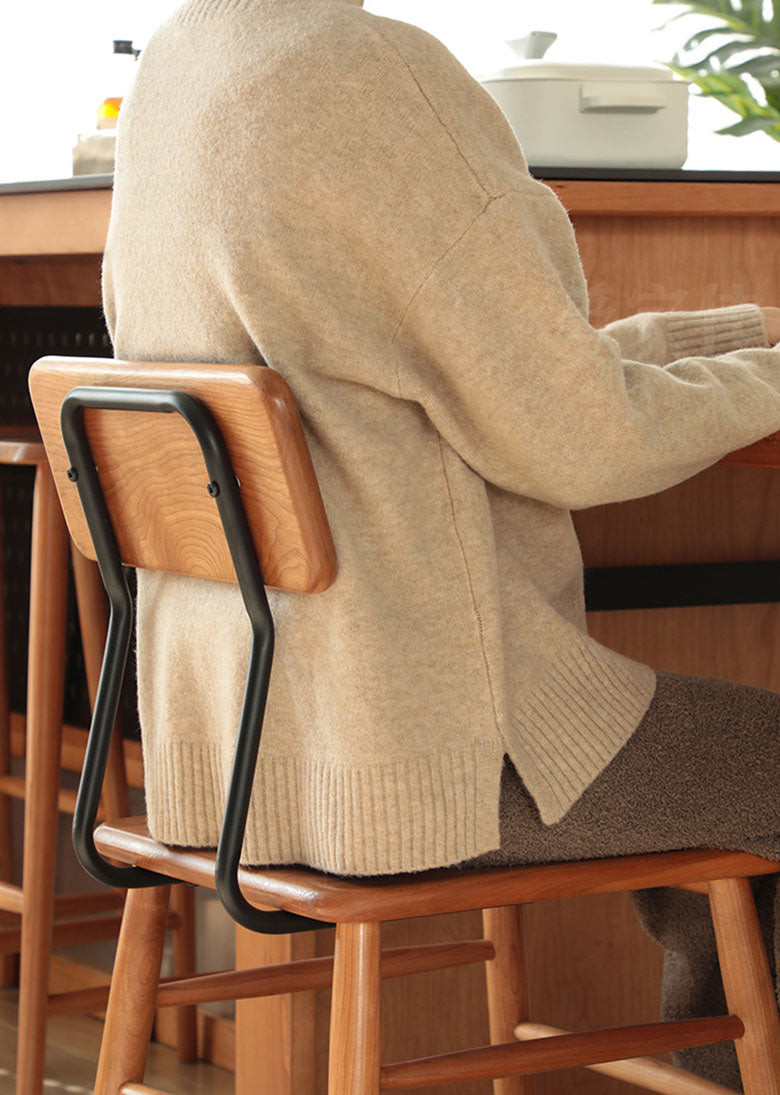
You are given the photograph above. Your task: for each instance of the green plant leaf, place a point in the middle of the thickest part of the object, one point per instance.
(746, 43)
(759, 67)
(753, 125)
(722, 54)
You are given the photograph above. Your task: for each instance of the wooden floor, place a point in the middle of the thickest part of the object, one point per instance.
(71, 1059)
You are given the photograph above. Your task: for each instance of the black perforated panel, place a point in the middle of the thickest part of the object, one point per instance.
(25, 335)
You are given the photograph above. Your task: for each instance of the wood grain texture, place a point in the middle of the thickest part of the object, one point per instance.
(608, 198)
(507, 985)
(8, 892)
(63, 222)
(283, 1060)
(134, 982)
(74, 739)
(50, 282)
(154, 478)
(335, 899)
(559, 1052)
(676, 262)
(45, 693)
(747, 983)
(302, 975)
(649, 1073)
(355, 1021)
(185, 965)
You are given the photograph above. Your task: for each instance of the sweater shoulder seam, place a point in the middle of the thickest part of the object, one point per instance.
(391, 45)
(421, 284)
(472, 594)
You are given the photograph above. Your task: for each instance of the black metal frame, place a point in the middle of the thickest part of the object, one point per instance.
(223, 487)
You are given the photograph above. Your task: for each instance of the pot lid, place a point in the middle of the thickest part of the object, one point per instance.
(565, 70)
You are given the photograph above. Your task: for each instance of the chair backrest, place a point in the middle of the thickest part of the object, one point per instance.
(153, 477)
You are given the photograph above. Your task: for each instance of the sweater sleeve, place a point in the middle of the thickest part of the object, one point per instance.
(659, 338)
(495, 349)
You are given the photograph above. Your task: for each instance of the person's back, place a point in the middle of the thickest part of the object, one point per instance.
(301, 183)
(302, 161)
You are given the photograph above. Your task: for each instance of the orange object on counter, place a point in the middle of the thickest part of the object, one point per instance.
(108, 113)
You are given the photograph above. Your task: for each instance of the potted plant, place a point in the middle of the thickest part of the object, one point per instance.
(736, 61)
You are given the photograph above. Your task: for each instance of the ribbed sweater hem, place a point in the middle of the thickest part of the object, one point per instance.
(420, 813)
(573, 723)
(706, 334)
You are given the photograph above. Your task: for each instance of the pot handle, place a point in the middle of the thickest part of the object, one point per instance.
(612, 97)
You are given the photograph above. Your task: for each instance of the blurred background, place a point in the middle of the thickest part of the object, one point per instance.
(57, 64)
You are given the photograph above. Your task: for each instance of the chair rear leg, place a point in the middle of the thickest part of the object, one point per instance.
(133, 995)
(184, 965)
(355, 1020)
(45, 692)
(8, 962)
(507, 986)
(747, 983)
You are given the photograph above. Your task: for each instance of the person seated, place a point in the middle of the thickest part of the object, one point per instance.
(304, 184)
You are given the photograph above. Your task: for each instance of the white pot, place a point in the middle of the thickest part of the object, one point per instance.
(572, 115)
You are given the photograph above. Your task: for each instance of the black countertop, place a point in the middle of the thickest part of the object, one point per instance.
(604, 174)
(47, 186)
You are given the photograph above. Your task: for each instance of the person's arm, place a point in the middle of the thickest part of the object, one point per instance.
(538, 402)
(659, 338)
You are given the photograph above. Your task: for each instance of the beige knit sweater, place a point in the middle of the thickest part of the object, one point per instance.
(303, 183)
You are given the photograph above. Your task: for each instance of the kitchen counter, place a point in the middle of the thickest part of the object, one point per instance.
(681, 241)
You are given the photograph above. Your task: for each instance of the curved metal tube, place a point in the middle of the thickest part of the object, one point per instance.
(224, 489)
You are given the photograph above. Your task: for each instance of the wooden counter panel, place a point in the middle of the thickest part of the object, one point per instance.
(677, 263)
(65, 222)
(653, 199)
(726, 514)
(50, 282)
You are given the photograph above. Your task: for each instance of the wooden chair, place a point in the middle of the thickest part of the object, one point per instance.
(251, 408)
(49, 921)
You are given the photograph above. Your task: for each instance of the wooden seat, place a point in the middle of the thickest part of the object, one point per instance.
(285, 529)
(358, 906)
(347, 900)
(49, 921)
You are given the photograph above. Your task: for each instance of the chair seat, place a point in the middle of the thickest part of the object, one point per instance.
(393, 897)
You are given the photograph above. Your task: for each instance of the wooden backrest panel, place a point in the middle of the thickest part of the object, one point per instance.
(154, 479)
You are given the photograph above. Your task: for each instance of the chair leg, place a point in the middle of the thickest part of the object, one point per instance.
(133, 995)
(184, 965)
(9, 970)
(747, 983)
(355, 1021)
(45, 693)
(507, 986)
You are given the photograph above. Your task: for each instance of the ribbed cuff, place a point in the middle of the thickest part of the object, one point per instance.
(416, 814)
(716, 331)
(575, 721)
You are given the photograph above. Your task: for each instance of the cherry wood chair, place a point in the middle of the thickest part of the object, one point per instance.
(258, 485)
(49, 921)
